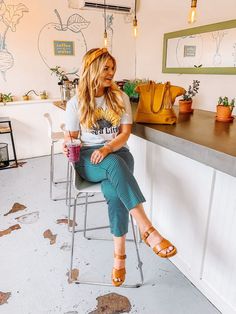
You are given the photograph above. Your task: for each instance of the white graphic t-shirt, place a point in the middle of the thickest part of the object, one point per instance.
(107, 122)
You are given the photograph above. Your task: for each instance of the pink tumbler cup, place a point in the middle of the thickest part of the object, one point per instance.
(73, 150)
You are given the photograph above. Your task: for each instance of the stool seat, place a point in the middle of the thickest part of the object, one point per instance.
(84, 186)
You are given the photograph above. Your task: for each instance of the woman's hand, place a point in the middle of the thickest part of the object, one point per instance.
(69, 135)
(99, 154)
(65, 149)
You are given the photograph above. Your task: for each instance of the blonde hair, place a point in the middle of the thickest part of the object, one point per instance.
(93, 64)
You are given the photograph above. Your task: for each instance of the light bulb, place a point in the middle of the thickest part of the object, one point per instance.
(105, 42)
(192, 16)
(135, 27)
(192, 12)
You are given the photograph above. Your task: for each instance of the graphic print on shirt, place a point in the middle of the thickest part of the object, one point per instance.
(106, 122)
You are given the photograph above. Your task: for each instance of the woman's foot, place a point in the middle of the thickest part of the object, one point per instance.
(118, 271)
(161, 246)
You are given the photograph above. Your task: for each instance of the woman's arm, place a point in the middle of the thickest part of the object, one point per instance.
(99, 154)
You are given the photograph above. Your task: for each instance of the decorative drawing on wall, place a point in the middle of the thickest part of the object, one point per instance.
(109, 24)
(210, 49)
(59, 32)
(189, 50)
(234, 54)
(218, 37)
(10, 16)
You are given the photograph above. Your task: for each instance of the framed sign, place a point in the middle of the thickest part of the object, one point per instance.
(209, 49)
(63, 48)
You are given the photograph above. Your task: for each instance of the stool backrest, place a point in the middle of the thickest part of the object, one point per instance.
(49, 122)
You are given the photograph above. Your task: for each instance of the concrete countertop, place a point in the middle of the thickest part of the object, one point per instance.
(197, 136)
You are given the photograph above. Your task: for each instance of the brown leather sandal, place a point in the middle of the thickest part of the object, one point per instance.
(159, 247)
(118, 275)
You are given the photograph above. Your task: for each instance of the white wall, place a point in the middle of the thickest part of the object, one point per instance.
(29, 71)
(154, 17)
(158, 17)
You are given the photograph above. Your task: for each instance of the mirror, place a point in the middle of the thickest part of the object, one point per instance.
(208, 49)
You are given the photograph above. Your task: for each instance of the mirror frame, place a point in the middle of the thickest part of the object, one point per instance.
(193, 31)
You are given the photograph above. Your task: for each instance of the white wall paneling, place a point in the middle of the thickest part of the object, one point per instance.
(194, 206)
(219, 271)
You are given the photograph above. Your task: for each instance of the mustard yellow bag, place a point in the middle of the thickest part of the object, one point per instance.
(156, 101)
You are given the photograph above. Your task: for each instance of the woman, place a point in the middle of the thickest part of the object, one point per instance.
(101, 116)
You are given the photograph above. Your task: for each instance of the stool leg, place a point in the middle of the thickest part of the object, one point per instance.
(73, 238)
(67, 184)
(51, 169)
(140, 263)
(85, 215)
(69, 194)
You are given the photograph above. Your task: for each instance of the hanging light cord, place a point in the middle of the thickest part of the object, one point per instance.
(135, 9)
(105, 16)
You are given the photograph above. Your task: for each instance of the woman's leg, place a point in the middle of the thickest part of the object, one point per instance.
(119, 249)
(144, 224)
(114, 169)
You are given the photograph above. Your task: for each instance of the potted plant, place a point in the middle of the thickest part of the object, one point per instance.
(60, 74)
(6, 98)
(67, 87)
(43, 94)
(224, 109)
(26, 95)
(185, 104)
(129, 89)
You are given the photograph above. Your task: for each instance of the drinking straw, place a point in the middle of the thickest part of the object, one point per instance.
(71, 139)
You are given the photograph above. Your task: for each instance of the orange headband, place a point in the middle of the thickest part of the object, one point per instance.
(94, 55)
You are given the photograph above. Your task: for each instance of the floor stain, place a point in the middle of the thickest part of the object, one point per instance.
(4, 296)
(19, 163)
(28, 218)
(65, 247)
(15, 208)
(74, 275)
(9, 230)
(112, 303)
(65, 221)
(49, 235)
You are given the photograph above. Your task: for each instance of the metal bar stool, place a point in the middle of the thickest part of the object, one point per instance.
(84, 188)
(54, 138)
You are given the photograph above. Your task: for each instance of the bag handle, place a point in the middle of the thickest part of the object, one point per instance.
(153, 91)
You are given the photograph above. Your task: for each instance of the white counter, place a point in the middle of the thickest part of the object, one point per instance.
(194, 206)
(30, 127)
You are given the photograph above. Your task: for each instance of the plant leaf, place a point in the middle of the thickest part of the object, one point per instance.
(76, 22)
(13, 14)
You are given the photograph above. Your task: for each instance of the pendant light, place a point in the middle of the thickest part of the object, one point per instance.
(135, 21)
(192, 12)
(105, 41)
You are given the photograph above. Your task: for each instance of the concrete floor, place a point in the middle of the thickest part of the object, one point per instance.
(34, 272)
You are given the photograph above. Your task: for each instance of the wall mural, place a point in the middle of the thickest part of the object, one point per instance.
(65, 36)
(10, 16)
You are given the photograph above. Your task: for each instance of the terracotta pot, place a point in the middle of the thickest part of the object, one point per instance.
(185, 106)
(25, 97)
(223, 113)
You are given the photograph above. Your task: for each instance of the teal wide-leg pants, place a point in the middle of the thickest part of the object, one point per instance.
(119, 186)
